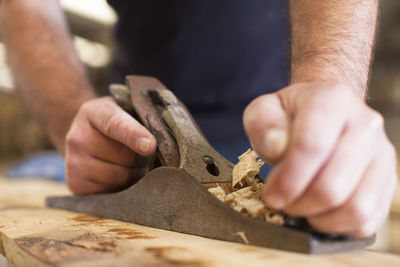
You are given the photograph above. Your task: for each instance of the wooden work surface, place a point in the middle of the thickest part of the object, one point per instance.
(33, 235)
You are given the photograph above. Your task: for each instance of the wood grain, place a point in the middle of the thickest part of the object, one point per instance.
(33, 235)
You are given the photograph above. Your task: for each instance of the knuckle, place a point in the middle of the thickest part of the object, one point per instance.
(71, 139)
(75, 139)
(113, 124)
(121, 125)
(76, 182)
(375, 121)
(129, 156)
(311, 143)
(361, 212)
(365, 230)
(123, 128)
(86, 107)
(107, 124)
(329, 196)
(285, 189)
(124, 176)
(123, 172)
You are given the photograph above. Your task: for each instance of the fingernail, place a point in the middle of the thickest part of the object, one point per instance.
(274, 200)
(275, 142)
(143, 144)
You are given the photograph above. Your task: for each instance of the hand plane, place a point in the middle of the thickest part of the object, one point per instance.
(173, 194)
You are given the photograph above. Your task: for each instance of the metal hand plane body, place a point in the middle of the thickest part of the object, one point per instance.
(173, 195)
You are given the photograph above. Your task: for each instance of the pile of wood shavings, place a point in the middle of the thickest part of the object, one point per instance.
(247, 195)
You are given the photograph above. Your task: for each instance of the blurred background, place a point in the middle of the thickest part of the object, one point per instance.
(91, 24)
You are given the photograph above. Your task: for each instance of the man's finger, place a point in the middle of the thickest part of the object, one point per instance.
(84, 186)
(102, 175)
(111, 120)
(338, 179)
(109, 150)
(360, 216)
(103, 147)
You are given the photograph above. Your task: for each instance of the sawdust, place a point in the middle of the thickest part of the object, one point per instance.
(246, 197)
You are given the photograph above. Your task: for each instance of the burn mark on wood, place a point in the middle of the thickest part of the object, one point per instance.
(87, 218)
(125, 233)
(55, 251)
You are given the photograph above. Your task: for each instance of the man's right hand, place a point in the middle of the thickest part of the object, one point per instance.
(105, 148)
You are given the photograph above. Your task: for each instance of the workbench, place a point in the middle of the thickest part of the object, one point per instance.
(34, 235)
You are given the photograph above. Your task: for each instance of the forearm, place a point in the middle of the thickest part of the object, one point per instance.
(48, 74)
(332, 40)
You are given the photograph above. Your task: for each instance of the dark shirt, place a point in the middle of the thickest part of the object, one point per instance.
(215, 55)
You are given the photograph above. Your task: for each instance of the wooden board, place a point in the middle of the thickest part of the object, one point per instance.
(33, 235)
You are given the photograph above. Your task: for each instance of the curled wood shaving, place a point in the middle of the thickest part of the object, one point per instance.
(247, 195)
(245, 171)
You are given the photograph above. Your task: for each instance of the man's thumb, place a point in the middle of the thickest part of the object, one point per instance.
(266, 125)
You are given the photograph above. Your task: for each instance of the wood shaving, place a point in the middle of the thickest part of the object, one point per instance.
(247, 195)
(218, 192)
(243, 236)
(245, 171)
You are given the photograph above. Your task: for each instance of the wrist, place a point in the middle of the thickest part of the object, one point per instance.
(331, 75)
